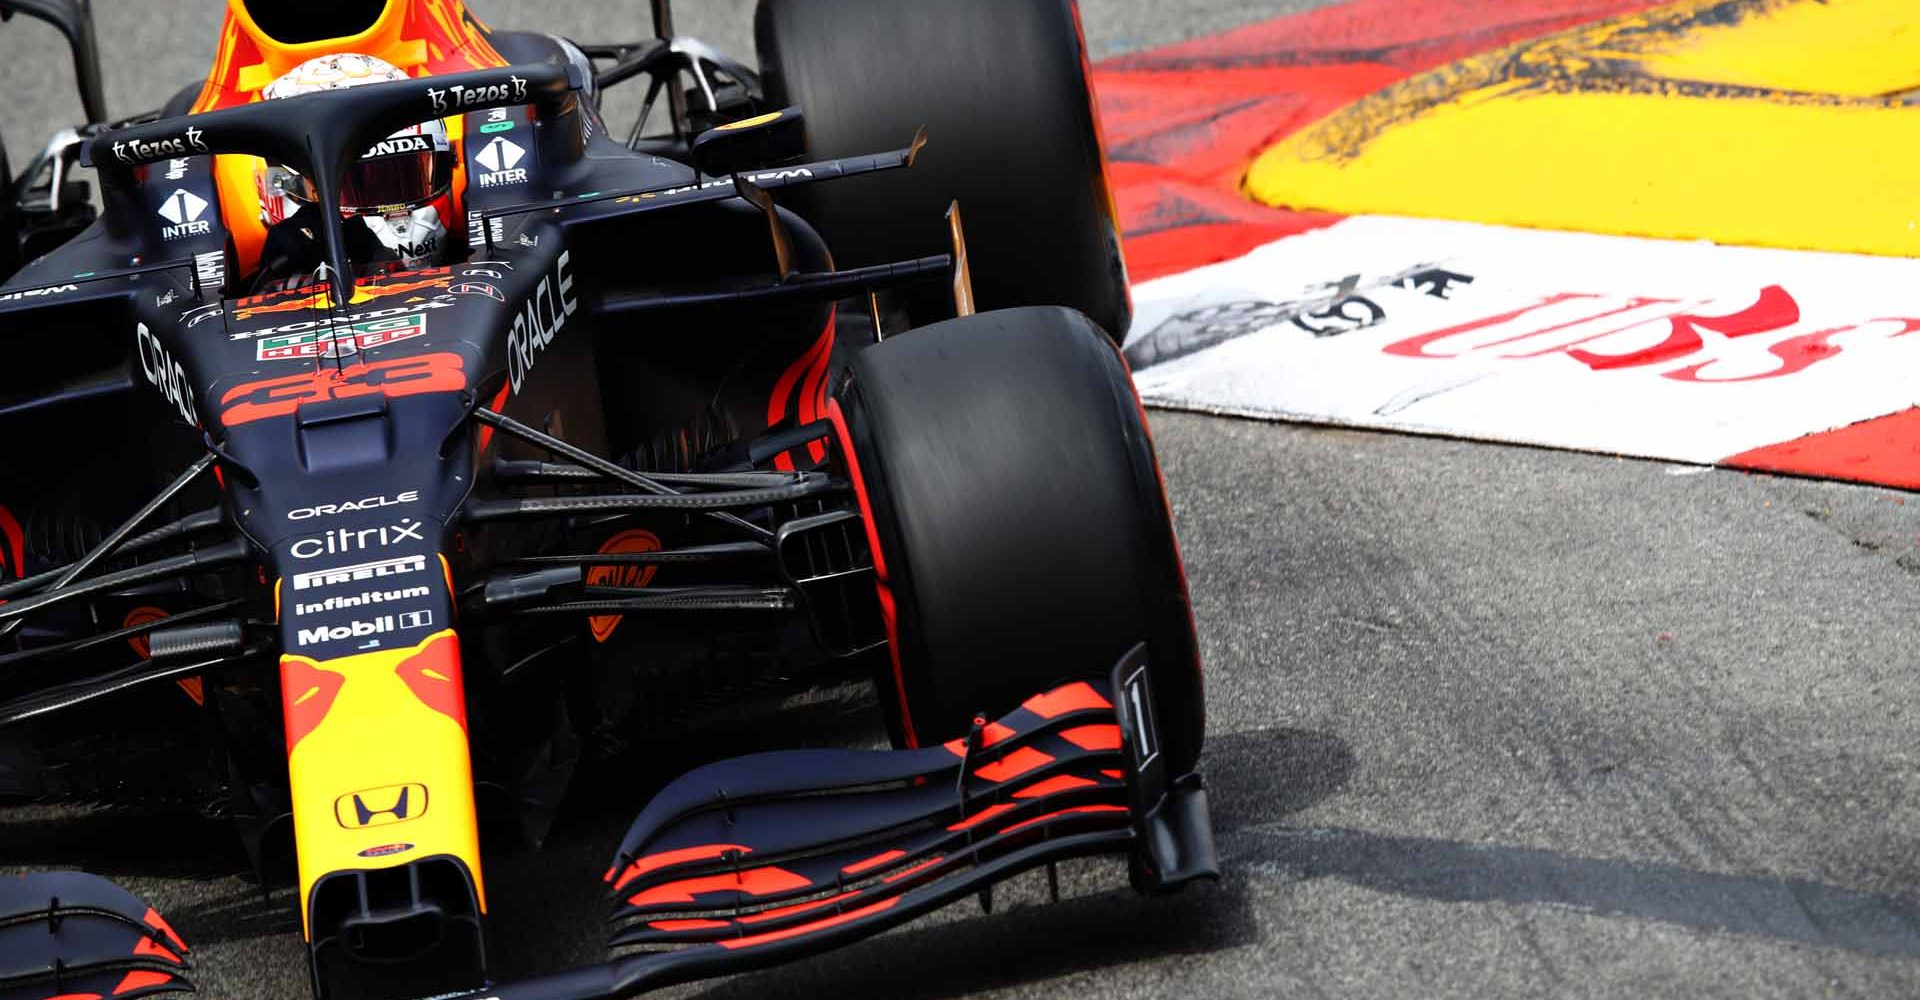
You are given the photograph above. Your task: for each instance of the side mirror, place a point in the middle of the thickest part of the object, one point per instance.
(761, 141)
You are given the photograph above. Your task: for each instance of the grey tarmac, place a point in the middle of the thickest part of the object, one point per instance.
(1485, 721)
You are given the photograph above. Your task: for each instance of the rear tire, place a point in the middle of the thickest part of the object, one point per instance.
(1017, 507)
(1001, 86)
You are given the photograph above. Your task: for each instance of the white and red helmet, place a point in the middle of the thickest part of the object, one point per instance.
(402, 187)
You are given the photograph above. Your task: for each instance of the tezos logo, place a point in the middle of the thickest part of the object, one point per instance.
(343, 540)
(455, 97)
(135, 151)
(370, 503)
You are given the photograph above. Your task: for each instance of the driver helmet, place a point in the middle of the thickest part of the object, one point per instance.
(401, 188)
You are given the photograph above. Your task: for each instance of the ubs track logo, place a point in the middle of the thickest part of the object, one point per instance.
(381, 806)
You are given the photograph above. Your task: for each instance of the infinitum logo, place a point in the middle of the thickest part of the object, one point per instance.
(366, 599)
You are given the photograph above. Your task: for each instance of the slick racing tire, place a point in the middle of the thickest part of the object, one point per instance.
(1001, 86)
(1021, 529)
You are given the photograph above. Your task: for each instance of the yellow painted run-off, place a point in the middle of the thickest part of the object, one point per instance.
(1762, 122)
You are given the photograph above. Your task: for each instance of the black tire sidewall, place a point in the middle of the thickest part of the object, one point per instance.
(1019, 511)
(1002, 87)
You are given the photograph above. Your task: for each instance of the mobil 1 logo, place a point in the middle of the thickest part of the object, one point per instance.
(370, 633)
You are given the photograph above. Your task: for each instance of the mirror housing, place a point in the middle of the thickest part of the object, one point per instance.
(760, 141)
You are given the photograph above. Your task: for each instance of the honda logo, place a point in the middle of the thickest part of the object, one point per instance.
(381, 806)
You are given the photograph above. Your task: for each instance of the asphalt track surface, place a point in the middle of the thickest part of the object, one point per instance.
(1485, 721)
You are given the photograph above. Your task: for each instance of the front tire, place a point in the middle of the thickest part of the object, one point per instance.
(1024, 535)
(1002, 88)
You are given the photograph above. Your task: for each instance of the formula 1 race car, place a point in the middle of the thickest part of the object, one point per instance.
(395, 438)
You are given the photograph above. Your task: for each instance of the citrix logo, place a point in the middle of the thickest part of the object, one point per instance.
(343, 540)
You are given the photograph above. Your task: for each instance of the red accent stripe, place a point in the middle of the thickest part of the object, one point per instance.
(982, 816)
(1884, 451)
(783, 390)
(688, 925)
(992, 733)
(888, 614)
(308, 693)
(1105, 737)
(787, 911)
(1057, 783)
(1065, 812)
(485, 437)
(1179, 560)
(159, 923)
(753, 882)
(663, 859)
(1077, 697)
(813, 393)
(140, 979)
(818, 925)
(149, 946)
(447, 696)
(915, 870)
(1014, 764)
(16, 553)
(871, 863)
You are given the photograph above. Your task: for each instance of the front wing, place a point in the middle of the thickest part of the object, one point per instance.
(762, 859)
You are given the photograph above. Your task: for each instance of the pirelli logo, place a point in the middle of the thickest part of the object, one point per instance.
(357, 574)
(381, 806)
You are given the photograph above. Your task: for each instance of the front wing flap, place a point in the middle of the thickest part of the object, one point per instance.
(70, 934)
(762, 859)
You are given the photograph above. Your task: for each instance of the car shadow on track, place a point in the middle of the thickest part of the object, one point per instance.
(1784, 909)
(1257, 779)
